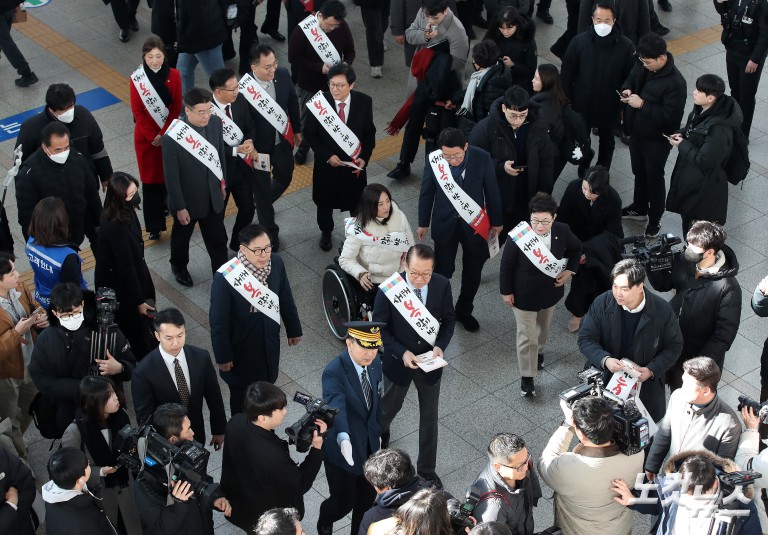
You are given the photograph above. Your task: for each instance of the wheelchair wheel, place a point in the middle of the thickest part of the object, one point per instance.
(339, 302)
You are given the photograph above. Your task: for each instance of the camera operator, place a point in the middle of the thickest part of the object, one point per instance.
(62, 355)
(508, 487)
(257, 471)
(696, 418)
(634, 324)
(279, 522)
(748, 458)
(687, 497)
(707, 297)
(582, 478)
(173, 508)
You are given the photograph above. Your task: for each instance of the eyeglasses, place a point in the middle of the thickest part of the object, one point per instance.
(73, 315)
(417, 275)
(518, 468)
(516, 116)
(269, 67)
(541, 222)
(235, 90)
(334, 85)
(453, 157)
(259, 251)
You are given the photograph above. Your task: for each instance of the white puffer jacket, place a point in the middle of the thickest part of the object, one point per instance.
(358, 257)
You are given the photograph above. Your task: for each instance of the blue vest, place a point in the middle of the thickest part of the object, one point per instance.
(46, 263)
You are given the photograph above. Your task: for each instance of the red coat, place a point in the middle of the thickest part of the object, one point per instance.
(149, 157)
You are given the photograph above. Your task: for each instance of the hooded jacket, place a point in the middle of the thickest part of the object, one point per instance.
(388, 501)
(667, 505)
(698, 188)
(510, 506)
(71, 512)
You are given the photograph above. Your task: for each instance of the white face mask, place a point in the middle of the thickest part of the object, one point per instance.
(68, 116)
(71, 324)
(603, 29)
(59, 158)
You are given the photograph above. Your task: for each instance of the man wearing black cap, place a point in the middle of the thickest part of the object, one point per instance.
(352, 383)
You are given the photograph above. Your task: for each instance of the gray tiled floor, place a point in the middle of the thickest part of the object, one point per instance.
(480, 393)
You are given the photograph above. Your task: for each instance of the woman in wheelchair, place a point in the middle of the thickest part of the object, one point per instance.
(376, 240)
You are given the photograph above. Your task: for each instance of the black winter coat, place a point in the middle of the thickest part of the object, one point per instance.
(200, 24)
(80, 515)
(72, 182)
(586, 219)
(192, 517)
(698, 188)
(747, 39)
(709, 308)
(16, 474)
(522, 50)
(593, 70)
(664, 93)
(492, 86)
(496, 135)
(388, 501)
(551, 115)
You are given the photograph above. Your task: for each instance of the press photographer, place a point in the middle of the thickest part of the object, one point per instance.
(175, 495)
(582, 478)
(748, 457)
(67, 351)
(257, 471)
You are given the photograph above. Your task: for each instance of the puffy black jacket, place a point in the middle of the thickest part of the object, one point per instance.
(493, 85)
(698, 188)
(663, 92)
(551, 115)
(748, 39)
(69, 512)
(200, 24)
(496, 135)
(522, 50)
(709, 308)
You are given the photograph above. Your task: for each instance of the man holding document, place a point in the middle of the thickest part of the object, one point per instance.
(417, 308)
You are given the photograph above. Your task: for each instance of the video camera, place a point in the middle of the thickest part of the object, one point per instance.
(164, 462)
(630, 428)
(460, 512)
(656, 257)
(104, 337)
(760, 409)
(301, 432)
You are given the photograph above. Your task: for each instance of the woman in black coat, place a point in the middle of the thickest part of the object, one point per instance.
(120, 262)
(549, 95)
(592, 209)
(515, 33)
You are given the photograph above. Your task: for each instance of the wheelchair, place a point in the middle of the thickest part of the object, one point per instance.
(343, 300)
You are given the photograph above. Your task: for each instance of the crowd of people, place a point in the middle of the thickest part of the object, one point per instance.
(495, 145)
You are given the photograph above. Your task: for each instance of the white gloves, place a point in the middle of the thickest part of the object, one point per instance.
(346, 452)
(577, 154)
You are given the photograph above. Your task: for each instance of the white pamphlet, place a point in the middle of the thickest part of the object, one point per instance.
(493, 243)
(428, 362)
(264, 163)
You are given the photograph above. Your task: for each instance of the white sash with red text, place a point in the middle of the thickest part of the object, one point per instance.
(411, 308)
(233, 135)
(326, 115)
(196, 145)
(538, 253)
(395, 241)
(319, 41)
(262, 102)
(465, 205)
(261, 298)
(149, 96)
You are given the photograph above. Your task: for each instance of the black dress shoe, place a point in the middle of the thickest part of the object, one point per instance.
(433, 480)
(182, 276)
(154, 235)
(274, 34)
(124, 36)
(400, 171)
(301, 156)
(469, 322)
(665, 5)
(26, 80)
(660, 30)
(134, 25)
(324, 530)
(326, 243)
(544, 16)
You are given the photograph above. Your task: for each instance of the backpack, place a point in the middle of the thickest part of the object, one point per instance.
(736, 166)
(43, 412)
(575, 135)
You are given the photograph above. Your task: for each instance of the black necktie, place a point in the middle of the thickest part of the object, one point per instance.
(366, 388)
(181, 383)
(417, 291)
(226, 110)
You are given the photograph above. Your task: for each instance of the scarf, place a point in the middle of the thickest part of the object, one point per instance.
(104, 454)
(419, 64)
(469, 95)
(157, 79)
(260, 273)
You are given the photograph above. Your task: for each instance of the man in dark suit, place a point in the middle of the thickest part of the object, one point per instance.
(334, 184)
(195, 193)
(228, 100)
(473, 172)
(352, 383)
(267, 140)
(403, 343)
(178, 373)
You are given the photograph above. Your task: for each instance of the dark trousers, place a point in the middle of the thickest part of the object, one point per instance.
(214, 237)
(248, 39)
(429, 400)
(648, 157)
(282, 169)
(655, 22)
(268, 188)
(243, 195)
(348, 492)
(137, 330)
(412, 134)
(272, 18)
(325, 218)
(571, 29)
(375, 20)
(154, 207)
(9, 48)
(236, 399)
(607, 144)
(743, 85)
(473, 259)
(124, 12)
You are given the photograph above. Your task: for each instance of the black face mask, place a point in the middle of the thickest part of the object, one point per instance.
(693, 258)
(135, 200)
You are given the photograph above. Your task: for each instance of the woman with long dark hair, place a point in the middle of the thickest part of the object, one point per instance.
(515, 34)
(94, 431)
(426, 513)
(376, 240)
(549, 94)
(52, 257)
(120, 262)
(154, 79)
